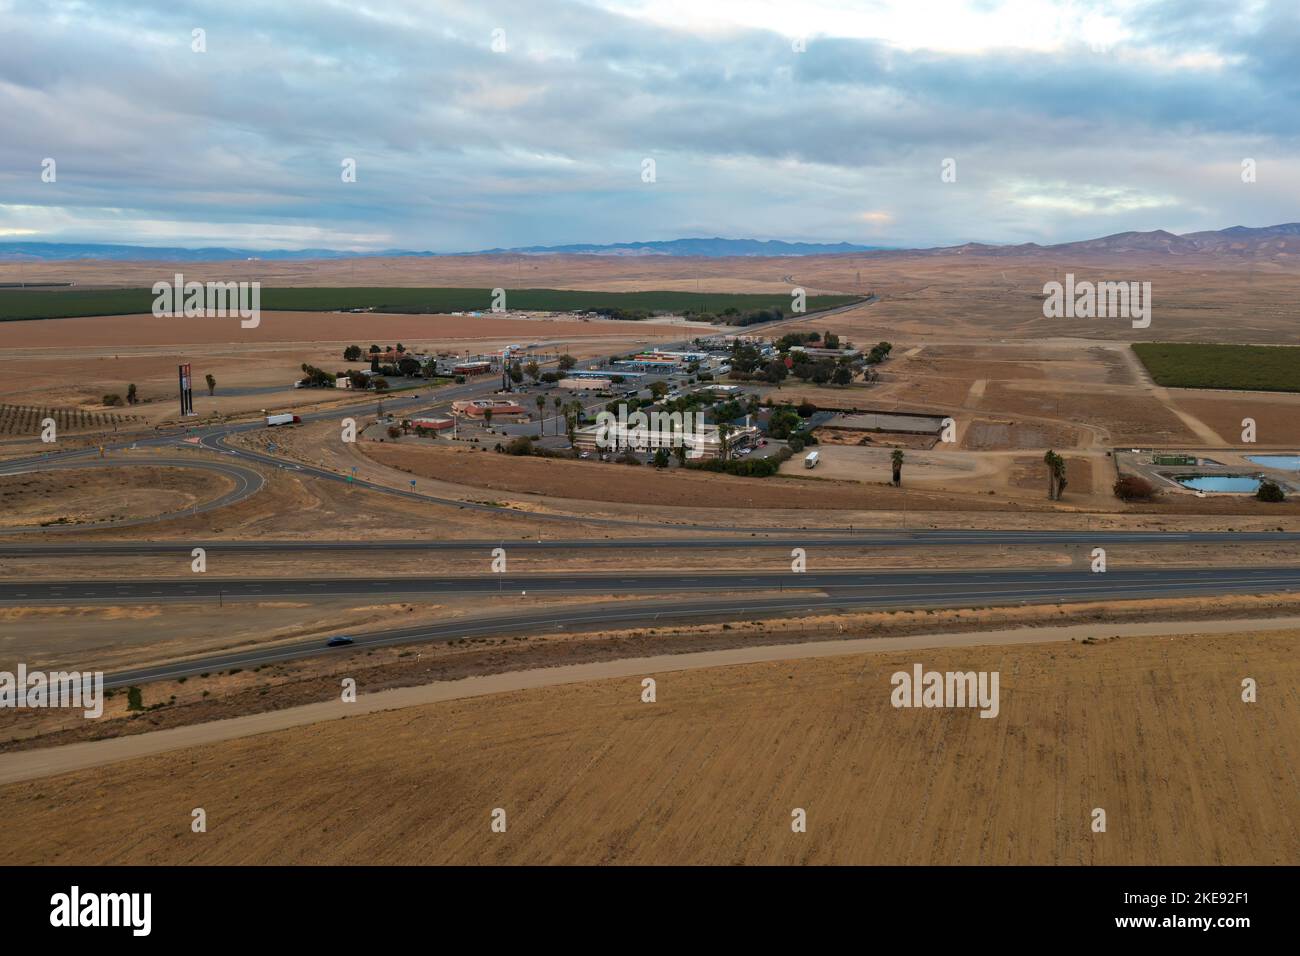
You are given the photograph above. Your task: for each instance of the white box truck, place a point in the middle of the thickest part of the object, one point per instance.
(273, 420)
(810, 460)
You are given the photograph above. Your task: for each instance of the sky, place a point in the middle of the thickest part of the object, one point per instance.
(477, 124)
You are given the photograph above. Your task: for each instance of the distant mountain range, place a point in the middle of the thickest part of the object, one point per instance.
(714, 248)
(1283, 239)
(1266, 241)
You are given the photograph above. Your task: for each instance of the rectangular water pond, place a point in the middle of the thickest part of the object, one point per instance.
(1241, 484)
(1284, 462)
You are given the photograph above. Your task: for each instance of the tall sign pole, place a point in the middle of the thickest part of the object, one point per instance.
(187, 394)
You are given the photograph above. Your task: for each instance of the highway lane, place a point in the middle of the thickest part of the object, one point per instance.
(773, 539)
(954, 590)
(981, 586)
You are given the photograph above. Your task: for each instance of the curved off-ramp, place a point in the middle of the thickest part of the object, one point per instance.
(247, 482)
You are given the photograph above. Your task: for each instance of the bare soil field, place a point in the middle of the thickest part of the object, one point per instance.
(610, 481)
(988, 434)
(959, 296)
(1277, 417)
(1130, 416)
(1186, 772)
(92, 495)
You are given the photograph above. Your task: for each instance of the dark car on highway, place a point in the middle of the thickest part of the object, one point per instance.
(339, 641)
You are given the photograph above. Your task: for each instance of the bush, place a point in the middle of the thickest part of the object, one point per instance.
(134, 699)
(1270, 491)
(113, 400)
(744, 467)
(1134, 488)
(523, 445)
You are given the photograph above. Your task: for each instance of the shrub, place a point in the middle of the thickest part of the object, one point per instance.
(1134, 488)
(134, 699)
(1270, 491)
(523, 445)
(113, 400)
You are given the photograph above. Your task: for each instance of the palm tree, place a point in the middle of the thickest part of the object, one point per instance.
(541, 415)
(896, 459)
(724, 436)
(573, 414)
(212, 383)
(1056, 480)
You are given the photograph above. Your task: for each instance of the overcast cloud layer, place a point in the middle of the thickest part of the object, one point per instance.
(1066, 120)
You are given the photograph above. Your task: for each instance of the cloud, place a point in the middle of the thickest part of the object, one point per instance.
(1065, 119)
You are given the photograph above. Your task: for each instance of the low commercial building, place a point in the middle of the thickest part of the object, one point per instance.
(478, 407)
(432, 424)
(575, 384)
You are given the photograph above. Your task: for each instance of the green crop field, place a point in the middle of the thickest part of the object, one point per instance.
(1261, 368)
(16, 304)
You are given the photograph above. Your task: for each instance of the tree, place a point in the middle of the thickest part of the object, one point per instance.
(679, 451)
(394, 431)
(113, 399)
(830, 340)
(541, 415)
(724, 439)
(1133, 488)
(532, 370)
(661, 458)
(408, 366)
(131, 397)
(896, 459)
(1056, 481)
(556, 402)
(212, 383)
(658, 389)
(352, 353)
(516, 373)
(487, 417)
(375, 350)
(573, 415)
(567, 362)
(1270, 491)
(380, 384)
(842, 376)
(134, 699)
(775, 371)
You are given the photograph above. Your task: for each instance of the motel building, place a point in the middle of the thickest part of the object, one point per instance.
(703, 445)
